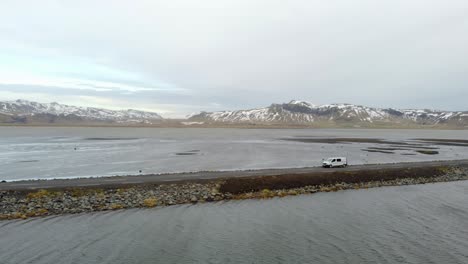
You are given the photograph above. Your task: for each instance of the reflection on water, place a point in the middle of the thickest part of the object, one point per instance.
(410, 224)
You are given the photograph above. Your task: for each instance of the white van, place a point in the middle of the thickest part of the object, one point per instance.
(335, 162)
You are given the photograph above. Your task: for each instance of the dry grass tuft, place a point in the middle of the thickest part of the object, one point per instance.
(150, 202)
(267, 194)
(116, 206)
(39, 194)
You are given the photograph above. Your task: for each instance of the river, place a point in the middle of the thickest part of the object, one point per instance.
(408, 224)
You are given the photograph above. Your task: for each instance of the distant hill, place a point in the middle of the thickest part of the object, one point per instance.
(292, 114)
(27, 112)
(339, 115)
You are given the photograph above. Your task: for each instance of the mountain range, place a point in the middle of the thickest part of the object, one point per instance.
(304, 113)
(23, 111)
(294, 113)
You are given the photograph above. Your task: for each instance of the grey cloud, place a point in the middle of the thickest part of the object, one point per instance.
(242, 54)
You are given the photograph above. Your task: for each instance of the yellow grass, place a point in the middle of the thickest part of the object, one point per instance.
(150, 202)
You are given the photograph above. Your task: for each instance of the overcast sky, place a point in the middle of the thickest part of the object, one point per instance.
(178, 57)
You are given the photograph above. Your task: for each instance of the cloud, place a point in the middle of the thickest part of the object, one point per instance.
(179, 55)
(80, 84)
(74, 73)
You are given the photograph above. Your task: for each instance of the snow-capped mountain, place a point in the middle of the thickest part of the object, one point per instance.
(299, 112)
(24, 108)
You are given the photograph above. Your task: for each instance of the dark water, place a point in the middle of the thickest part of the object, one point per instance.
(411, 224)
(45, 153)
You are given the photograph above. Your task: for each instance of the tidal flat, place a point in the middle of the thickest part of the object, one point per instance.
(30, 153)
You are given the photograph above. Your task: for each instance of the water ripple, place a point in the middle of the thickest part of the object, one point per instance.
(410, 224)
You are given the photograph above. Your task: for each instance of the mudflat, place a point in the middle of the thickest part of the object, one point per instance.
(40, 153)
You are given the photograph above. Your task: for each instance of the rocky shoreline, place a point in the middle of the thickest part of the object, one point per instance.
(22, 205)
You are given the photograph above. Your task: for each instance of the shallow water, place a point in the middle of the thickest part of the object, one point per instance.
(43, 153)
(408, 224)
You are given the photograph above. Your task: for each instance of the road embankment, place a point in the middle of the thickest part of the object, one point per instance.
(23, 203)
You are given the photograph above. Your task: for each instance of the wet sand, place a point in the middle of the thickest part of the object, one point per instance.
(61, 153)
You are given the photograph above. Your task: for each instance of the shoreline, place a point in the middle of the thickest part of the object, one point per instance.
(25, 203)
(203, 176)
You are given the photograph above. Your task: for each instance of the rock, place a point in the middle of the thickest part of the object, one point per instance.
(15, 204)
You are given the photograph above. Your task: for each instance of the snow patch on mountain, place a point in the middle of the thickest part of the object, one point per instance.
(305, 113)
(29, 108)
